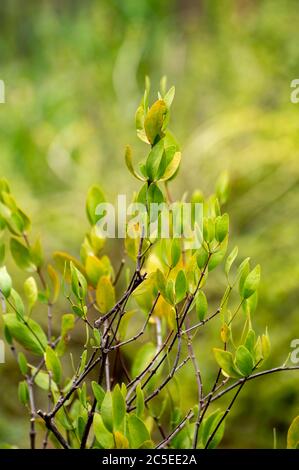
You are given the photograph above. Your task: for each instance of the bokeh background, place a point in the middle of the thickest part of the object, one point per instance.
(74, 73)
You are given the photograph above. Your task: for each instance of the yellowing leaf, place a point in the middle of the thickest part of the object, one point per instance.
(105, 294)
(54, 281)
(225, 361)
(31, 291)
(63, 261)
(129, 163)
(95, 268)
(154, 120)
(172, 167)
(121, 442)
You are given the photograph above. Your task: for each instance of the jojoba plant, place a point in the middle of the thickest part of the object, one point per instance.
(155, 300)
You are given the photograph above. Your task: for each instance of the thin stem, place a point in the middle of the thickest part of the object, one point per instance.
(251, 377)
(104, 369)
(122, 263)
(52, 427)
(201, 323)
(225, 413)
(199, 389)
(176, 430)
(107, 368)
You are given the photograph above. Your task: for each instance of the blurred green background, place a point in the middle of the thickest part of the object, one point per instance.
(74, 73)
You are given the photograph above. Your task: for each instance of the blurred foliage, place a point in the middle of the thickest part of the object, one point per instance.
(71, 69)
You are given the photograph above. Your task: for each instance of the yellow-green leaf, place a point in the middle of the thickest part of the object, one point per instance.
(293, 434)
(53, 364)
(154, 120)
(5, 282)
(29, 334)
(105, 294)
(103, 436)
(225, 361)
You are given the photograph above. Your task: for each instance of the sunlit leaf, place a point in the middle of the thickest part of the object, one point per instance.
(5, 282)
(29, 334)
(105, 294)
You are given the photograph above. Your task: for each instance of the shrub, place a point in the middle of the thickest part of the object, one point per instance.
(105, 398)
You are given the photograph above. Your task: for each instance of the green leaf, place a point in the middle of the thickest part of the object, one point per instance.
(169, 292)
(244, 361)
(42, 380)
(138, 432)
(217, 256)
(22, 361)
(154, 121)
(230, 260)
(2, 251)
(168, 98)
(208, 229)
(97, 337)
(221, 227)
(201, 305)
(95, 197)
(78, 281)
(53, 364)
(105, 294)
(180, 286)
(119, 408)
(36, 253)
(129, 163)
(107, 411)
(154, 195)
(250, 304)
(103, 436)
(293, 434)
(18, 303)
(23, 392)
(250, 341)
(83, 361)
(139, 401)
(98, 392)
(225, 361)
(251, 282)
(243, 271)
(208, 427)
(175, 252)
(153, 161)
(266, 345)
(5, 282)
(142, 358)
(21, 255)
(67, 324)
(172, 167)
(31, 291)
(29, 334)
(139, 118)
(222, 187)
(80, 312)
(202, 257)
